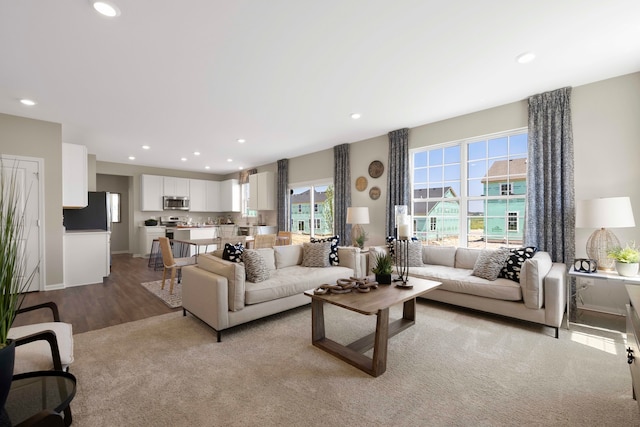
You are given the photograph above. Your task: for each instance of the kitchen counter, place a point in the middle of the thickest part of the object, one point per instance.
(86, 256)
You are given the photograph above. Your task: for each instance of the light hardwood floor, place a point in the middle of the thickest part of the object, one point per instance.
(119, 299)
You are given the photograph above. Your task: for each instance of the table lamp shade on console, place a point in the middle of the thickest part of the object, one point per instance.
(356, 216)
(602, 214)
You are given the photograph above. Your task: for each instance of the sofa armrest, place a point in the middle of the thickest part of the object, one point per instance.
(351, 257)
(205, 295)
(555, 294)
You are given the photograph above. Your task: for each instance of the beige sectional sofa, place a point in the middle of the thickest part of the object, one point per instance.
(217, 291)
(540, 296)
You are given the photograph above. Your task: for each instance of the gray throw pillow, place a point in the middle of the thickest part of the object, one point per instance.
(255, 266)
(316, 254)
(415, 253)
(490, 263)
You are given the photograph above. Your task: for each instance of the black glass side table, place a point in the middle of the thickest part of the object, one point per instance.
(40, 398)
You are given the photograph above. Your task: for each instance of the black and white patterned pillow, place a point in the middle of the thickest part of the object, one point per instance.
(255, 266)
(513, 264)
(333, 255)
(391, 245)
(233, 253)
(316, 254)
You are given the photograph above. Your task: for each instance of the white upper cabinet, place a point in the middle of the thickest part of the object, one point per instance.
(151, 192)
(176, 186)
(230, 196)
(197, 195)
(75, 177)
(213, 203)
(262, 191)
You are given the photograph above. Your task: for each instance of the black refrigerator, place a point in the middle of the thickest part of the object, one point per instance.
(95, 216)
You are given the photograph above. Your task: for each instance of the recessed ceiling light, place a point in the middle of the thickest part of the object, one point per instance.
(525, 58)
(196, 153)
(28, 102)
(240, 168)
(145, 147)
(229, 160)
(106, 8)
(356, 116)
(242, 141)
(207, 167)
(184, 159)
(132, 158)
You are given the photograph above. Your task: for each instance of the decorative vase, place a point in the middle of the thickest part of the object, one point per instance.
(627, 269)
(7, 358)
(383, 279)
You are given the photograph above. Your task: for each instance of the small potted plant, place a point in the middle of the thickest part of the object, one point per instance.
(627, 259)
(383, 268)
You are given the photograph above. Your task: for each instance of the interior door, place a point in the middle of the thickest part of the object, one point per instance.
(27, 177)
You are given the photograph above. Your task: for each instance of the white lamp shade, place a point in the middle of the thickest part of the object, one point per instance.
(358, 215)
(609, 212)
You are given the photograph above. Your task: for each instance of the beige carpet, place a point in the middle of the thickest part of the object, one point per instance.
(173, 300)
(453, 368)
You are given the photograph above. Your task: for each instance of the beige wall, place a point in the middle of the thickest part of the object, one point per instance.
(35, 138)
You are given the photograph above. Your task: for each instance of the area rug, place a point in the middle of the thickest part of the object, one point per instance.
(172, 300)
(452, 368)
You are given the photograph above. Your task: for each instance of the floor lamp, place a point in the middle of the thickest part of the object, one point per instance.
(602, 214)
(356, 216)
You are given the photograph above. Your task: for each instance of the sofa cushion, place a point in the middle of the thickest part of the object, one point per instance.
(255, 266)
(316, 254)
(293, 280)
(513, 265)
(462, 281)
(414, 253)
(490, 262)
(466, 258)
(288, 255)
(232, 253)
(532, 276)
(232, 271)
(268, 255)
(334, 259)
(439, 255)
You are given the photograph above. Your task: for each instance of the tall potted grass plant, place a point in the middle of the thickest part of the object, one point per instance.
(13, 277)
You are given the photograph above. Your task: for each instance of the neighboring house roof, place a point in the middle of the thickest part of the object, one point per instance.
(433, 193)
(318, 197)
(515, 169)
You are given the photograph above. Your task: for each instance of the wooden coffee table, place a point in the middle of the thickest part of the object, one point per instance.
(377, 302)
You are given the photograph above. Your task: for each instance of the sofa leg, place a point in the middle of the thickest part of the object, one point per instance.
(557, 333)
(219, 335)
(184, 312)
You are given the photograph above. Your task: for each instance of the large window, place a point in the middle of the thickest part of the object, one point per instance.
(471, 193)
(311, 211)
(244, 192)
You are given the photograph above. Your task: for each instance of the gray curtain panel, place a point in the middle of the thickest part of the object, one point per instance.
(243, 176)
(550, 223)
(342, 193)
(283, 200)
(397, 175)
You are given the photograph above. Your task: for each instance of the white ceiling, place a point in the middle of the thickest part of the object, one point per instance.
(196, 75)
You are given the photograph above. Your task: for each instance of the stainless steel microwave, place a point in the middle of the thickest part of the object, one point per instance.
(174, 203)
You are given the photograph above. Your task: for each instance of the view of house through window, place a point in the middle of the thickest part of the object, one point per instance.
(115, 207)
(311, 208)
(471, 193)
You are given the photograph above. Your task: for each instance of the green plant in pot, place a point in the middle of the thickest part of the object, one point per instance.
(13, 280)
(383, 268)
(627, 259)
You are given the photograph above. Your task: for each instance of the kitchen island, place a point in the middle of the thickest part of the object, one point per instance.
(195, 233)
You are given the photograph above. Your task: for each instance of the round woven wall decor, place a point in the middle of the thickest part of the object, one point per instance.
(361, 183)
(374, 193)
(376, 168)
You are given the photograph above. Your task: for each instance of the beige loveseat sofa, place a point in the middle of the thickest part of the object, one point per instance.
(217, 291)
(540, 296)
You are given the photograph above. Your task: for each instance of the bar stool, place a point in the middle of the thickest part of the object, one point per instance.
(155, 256)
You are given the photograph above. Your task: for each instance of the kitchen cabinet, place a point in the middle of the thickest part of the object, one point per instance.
(230, 196)
(176, 186)
(74, 176)
(87, 257)
(151, 191)
(204, 196)
(146, 235)
(262, 191)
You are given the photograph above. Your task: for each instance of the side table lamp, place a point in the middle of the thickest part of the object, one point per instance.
(356, 216)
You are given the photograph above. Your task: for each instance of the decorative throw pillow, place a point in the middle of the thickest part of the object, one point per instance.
(414, 256)
(333, 255)
(391, 244)
(255, 266)
(233, 253)
(513, 265)
(490, 262)
(316, 254)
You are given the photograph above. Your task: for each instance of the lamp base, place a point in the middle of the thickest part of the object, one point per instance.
(598, 246)
(357, 235)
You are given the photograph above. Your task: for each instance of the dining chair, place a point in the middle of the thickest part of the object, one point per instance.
(171, 263)
(284, 238)
(264, 241)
